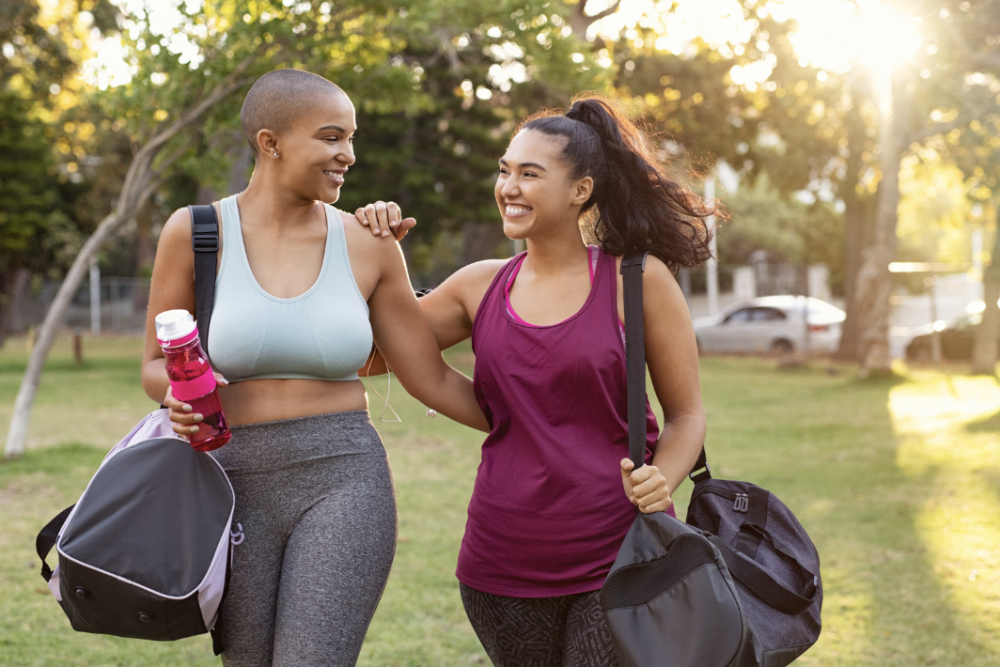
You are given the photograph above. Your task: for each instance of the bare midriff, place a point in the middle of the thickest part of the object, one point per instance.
(256, 401)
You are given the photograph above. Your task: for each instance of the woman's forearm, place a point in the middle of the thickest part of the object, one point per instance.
(154, 379)
(678, 446)
(450, 393)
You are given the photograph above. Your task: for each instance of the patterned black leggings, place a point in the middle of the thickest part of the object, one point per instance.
(564, 631)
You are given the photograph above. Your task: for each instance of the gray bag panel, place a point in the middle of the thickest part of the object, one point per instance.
(707, 632)
(164, 478)
(669, 599)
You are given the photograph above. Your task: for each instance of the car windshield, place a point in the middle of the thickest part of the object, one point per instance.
(969, 321)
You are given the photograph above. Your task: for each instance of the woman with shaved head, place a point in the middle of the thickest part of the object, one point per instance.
(300, 295)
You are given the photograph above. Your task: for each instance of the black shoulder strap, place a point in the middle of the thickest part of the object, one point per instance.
(635, 356)
(635, 364)
(47, 539)
(205, 243)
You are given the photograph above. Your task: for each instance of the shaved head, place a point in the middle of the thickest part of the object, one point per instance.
(278, 98)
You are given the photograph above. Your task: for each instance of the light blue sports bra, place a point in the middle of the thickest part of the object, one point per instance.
(322, 334)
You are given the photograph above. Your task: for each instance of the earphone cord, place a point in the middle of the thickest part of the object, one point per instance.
(388, 390)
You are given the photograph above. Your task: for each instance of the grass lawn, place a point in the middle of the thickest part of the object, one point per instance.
(898, 483)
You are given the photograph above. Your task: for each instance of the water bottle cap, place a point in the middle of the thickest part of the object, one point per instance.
(174, 325)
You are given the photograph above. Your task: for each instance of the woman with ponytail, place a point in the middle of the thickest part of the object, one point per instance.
(548, 513)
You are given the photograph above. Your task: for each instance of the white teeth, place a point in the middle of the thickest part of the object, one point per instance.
(517, 210)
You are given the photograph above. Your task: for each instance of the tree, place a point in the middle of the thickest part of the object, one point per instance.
(35, 64)
(943, 88)
(483, 66)
(30, 200)
(966, 32)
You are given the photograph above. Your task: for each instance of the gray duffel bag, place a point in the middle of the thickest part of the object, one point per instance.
(736, 586)
(145, 553)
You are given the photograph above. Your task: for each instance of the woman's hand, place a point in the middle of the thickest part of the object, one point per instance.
(185, 421)
(646, 487)
(385, 218)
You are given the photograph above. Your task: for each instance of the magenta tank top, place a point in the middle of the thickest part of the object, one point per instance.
(548, 512)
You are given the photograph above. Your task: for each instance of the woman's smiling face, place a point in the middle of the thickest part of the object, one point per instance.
(319, 148)
(535, 191)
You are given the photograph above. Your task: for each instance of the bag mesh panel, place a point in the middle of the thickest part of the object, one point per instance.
(637, 584)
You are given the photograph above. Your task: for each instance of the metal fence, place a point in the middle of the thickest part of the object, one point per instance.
(116, 305)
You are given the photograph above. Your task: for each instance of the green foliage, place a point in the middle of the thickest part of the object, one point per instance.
(482, 66)
(33, 58)
(31, 217)
(786, 228)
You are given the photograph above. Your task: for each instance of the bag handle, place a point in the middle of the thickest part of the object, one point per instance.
(205, 244)
(766, 587)
(633, 266)
(47, 539)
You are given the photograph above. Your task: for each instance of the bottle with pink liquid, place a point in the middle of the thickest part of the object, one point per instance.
(191, 377)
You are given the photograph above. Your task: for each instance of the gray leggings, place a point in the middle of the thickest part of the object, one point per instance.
(316, 506)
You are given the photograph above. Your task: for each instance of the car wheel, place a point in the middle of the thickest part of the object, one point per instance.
(782, 347)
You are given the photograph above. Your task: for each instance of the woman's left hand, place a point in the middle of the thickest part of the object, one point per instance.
(384, 218)
(646, 487)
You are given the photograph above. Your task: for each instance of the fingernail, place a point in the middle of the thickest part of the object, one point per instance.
(186, 408)
(225, 381)
(194, 429)
(198, 418)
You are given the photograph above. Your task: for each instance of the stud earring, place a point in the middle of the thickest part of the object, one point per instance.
(275, 154)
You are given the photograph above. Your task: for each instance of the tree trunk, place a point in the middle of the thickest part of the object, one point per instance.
(857, 233)
(984, 350)
(47, 334)
(858, 214)
(481, 241)
(874, 286)
(12, 290)
(580, 21)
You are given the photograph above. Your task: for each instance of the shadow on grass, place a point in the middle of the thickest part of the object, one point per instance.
(990, 424)
(826, 446)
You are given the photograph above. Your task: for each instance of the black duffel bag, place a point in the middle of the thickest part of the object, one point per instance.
(736, 586)
(772, 560)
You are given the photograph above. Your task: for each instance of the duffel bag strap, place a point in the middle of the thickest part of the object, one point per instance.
(47, 539)
(205, 243)
(766, 587)
(633, 266)
(635, 356)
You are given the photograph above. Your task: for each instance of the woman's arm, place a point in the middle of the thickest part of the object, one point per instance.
(171, 287)
(410, 347)
(672, 359)
(449, 309)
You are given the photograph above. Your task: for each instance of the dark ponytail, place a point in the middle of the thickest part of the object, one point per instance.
(639, 208)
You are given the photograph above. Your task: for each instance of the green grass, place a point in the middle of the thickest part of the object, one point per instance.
(898, 483)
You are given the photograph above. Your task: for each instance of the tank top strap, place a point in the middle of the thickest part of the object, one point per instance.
(493, 301)
(232, 234)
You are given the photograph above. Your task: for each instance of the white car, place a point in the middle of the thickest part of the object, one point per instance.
(772, 324)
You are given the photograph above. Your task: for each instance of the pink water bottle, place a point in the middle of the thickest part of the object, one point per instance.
(191, 377)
